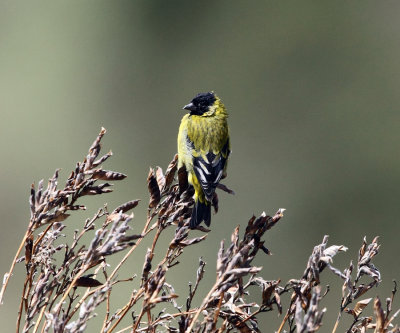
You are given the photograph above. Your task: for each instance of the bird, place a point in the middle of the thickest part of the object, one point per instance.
(203, 149)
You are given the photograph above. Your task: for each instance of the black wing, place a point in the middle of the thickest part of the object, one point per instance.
(209, 170)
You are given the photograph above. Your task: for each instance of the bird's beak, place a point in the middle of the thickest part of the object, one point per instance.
(190, 107)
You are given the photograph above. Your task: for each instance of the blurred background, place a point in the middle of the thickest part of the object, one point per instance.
(312, 91)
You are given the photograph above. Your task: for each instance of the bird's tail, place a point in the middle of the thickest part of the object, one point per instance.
(201, 212)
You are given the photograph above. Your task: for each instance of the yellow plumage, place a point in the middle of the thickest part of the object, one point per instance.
(203, 148)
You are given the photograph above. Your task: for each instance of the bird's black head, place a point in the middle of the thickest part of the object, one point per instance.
(200, 103)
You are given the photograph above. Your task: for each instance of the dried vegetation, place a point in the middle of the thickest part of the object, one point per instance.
(63, 295)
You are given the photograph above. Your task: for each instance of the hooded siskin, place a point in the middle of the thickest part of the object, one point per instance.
(203, 148)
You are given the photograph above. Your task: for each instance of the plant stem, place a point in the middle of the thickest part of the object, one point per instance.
(3, 288)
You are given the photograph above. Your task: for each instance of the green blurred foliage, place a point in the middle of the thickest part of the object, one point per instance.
(312, 90)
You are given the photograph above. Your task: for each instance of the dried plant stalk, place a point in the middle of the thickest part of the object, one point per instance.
(68, 279)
